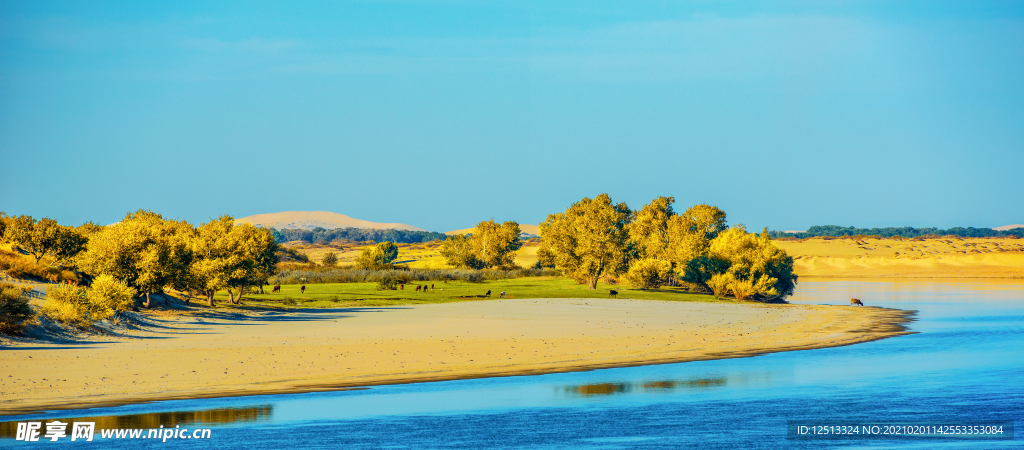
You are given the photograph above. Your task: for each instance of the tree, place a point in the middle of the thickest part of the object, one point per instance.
(649, 273)
(457, 251)
(378, 257)
(144, 251)
(756, 267)
(496, 245)
(231, 257)
(589, 239)
(45, 237)
(329, 259)
(691, 232)
(648, 231)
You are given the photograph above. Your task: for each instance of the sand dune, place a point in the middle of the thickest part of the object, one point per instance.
(215, 353)
(944, 257)
(1008, 227)
(308, 220)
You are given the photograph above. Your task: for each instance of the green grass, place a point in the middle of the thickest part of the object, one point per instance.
(331, 295)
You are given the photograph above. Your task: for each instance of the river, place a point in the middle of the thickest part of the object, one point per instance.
(965, 364)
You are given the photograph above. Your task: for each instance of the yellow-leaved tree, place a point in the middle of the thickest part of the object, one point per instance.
(378, 257)
(495, 245)
(589, 239)
(145, 251)
(649, 242)
(691, 232)
(457, 251)
(490, 245)
(756, 267)
(231, 257)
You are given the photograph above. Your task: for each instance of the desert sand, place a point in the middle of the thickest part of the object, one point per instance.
(203, 353)
(907, 258)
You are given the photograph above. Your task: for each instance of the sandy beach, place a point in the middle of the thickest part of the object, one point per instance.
(214, 353)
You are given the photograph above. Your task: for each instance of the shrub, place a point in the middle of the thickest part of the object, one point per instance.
(330, 259)
(720, 284)
(288, 301)
(387, 284)
(15, 311)
(109, 296)
(68, 304)
(743, 289)
(648, 273)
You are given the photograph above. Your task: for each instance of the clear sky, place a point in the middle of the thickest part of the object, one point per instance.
(442, 114)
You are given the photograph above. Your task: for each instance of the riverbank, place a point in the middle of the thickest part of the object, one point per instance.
(203, 353)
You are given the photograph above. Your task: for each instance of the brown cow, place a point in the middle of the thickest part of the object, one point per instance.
(857, 302)
(418, 287)
(277, 288)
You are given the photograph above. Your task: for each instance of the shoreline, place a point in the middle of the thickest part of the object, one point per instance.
(437, 342)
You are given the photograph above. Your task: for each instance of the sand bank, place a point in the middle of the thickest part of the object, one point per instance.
(205, 353)
(907, 258)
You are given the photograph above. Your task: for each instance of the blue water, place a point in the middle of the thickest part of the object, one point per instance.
(965, 364)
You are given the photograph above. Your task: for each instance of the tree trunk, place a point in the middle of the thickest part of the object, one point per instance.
(149, 303)
(593, 282)
(209, 297)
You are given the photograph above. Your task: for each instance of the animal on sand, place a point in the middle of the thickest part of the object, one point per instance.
(613, 293)
(857, 302)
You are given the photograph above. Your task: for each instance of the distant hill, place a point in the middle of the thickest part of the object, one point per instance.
(308, 220)
(1008, 227)
(524, 227)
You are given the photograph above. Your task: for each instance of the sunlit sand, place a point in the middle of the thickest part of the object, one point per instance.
(217, 353)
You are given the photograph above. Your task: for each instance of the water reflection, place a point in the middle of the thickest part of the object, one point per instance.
(649, 386)
(222, 416)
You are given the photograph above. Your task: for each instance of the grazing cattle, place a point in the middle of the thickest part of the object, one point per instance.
(277, 288)
(488, 295)
(502, 294)
(857, 302)
(303, 289)
(418, 287)
(401, 286)
(613, 293)
(431, 287)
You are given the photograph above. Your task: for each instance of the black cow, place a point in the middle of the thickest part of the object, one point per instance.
(613, 293)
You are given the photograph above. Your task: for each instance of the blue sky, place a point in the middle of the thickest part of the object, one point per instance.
(442, 114)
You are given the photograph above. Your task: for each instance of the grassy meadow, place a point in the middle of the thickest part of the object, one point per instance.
(330, 295)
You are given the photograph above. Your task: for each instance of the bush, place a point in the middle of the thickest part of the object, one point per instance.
(68, 304)
(109, 296)
(743, 289)
(649, 273)
(387, 284)
(288, 301)
(330, 259)
(15, 311)
(720, 284)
